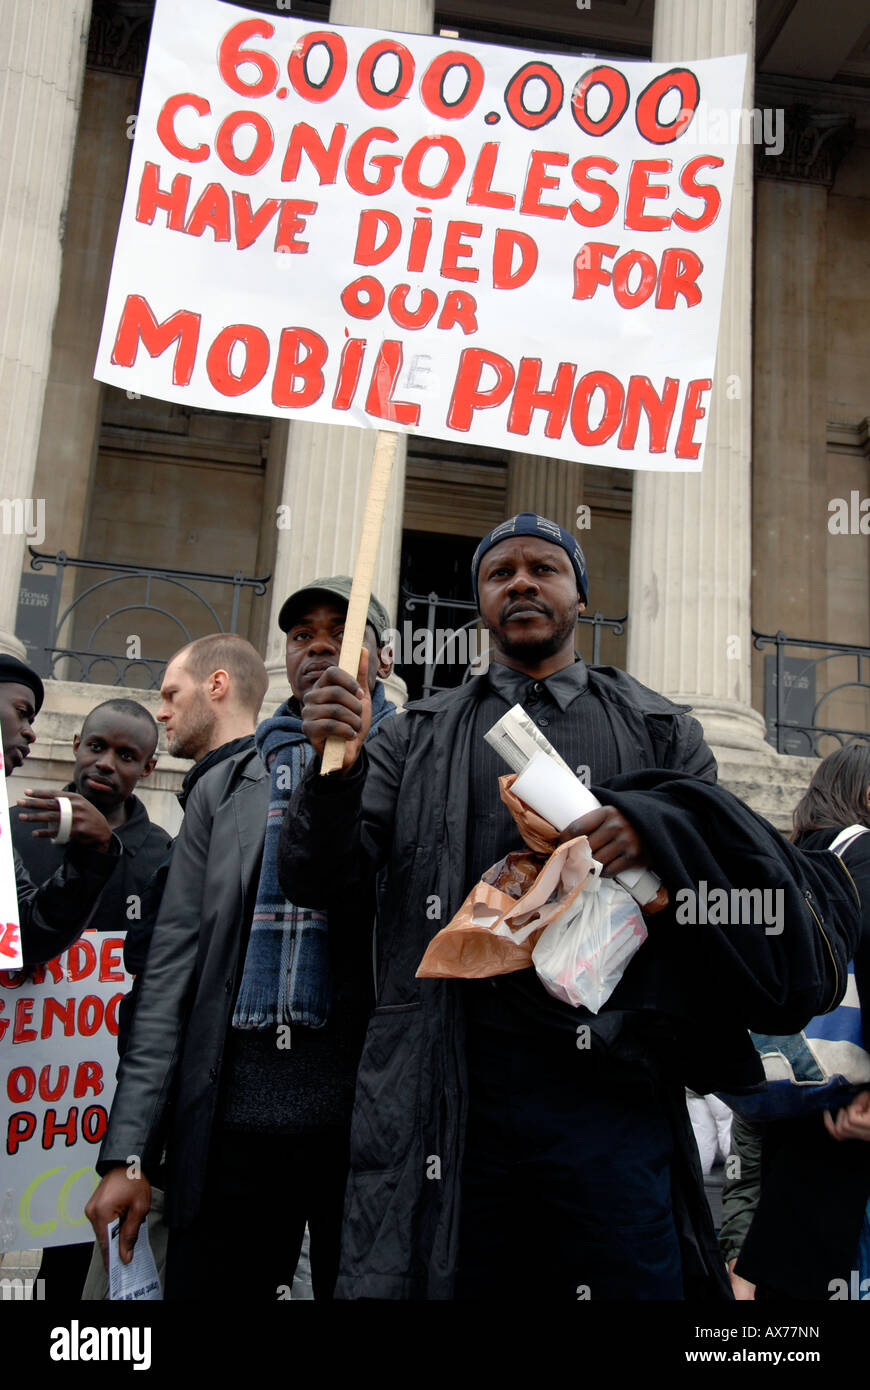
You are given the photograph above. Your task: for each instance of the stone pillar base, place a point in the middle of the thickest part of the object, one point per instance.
(11, 646)
(728, 723)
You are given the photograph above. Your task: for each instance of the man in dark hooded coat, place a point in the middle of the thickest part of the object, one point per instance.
(496, 1130)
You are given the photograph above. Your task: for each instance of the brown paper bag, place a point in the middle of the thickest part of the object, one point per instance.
(539, 834)
(494, 932)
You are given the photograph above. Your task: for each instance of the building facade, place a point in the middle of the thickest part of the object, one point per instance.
(152, 523)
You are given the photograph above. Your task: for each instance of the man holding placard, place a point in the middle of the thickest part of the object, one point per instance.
(425, 803)
(252, 1012)
(499, 1130)
(54, 914)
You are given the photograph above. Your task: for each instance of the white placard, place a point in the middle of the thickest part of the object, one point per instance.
(499, 247)
(10, 917)
(58, 1057)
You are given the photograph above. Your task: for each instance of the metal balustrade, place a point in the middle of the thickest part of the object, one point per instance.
(788, 730)
(85, 660)
(434, 604)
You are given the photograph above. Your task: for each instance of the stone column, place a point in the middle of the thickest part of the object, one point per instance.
(72, 410)
(791, 575)
(689, 607)
(327, 468)
(789, 513)
(550, 487)
(42, 58)
(326, 475)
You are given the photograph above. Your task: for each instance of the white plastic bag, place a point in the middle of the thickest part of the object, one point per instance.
(582, 955)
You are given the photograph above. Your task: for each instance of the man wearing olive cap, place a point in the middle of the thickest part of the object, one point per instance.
(264, 1060)
(53, 915)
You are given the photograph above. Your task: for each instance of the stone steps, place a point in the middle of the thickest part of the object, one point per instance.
(772, 785)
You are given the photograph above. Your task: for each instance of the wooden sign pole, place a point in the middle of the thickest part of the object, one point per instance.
(363, 575)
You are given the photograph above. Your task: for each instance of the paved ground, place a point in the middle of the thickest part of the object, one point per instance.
(18, 1269)
(22, 1265)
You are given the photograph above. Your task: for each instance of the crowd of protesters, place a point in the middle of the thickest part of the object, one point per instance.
(284, 1067)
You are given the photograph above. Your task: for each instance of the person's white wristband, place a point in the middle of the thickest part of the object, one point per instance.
(66, 819)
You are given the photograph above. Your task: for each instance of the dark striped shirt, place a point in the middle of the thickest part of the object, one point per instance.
(568, 713)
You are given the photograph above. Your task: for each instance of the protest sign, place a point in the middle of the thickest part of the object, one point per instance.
(477, 243)
(10, 920)
(58, 1055)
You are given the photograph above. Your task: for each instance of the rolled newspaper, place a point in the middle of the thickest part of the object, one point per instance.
(547, 784)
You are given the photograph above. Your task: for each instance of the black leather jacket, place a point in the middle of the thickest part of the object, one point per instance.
(54, 914)
(184, 1009)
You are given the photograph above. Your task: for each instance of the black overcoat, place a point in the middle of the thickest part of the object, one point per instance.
(185, 1005)
(403, 811)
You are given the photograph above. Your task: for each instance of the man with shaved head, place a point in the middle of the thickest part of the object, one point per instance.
(210, 697)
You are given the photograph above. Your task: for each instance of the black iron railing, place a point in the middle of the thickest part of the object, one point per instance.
(85, 659)
(792, 711)
(466, 645)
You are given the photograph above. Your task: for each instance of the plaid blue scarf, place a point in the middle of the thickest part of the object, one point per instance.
(287, 976)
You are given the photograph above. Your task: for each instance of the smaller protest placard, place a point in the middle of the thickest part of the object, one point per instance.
(58, 1056)
(10, 921)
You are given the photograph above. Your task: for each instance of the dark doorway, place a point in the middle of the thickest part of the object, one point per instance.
(440, 564)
